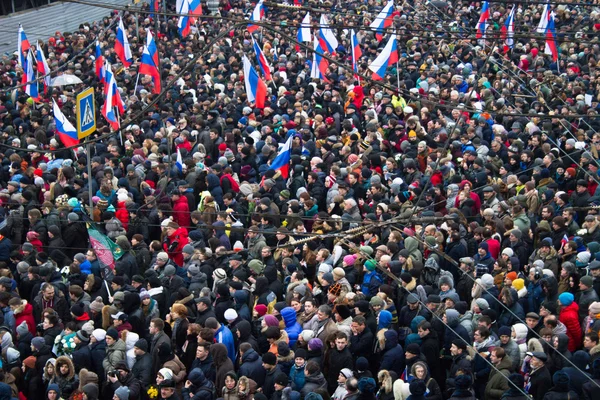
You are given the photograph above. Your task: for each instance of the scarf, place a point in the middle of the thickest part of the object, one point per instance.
(480, 346)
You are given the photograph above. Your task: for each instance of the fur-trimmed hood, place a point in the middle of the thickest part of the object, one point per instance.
(249, 384)
(85, 377)
(65, 360)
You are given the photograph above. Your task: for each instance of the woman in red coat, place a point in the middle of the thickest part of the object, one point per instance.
(569, 316)
(23, 311)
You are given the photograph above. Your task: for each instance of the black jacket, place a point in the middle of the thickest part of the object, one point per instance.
(98, 352)
(82, 357)
(539, 380)
(142, 370)
(338, 360)
(362, 345)
(252, 367)
(269, 385)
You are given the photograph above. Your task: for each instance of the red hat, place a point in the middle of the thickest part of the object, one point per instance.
(222, 147)
(261, 309)
(571, 171)
(38, 172)
(597, 27)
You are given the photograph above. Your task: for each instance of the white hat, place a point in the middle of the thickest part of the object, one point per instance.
(117, 315)
(166, 373)
(99, 334)
(230, 314)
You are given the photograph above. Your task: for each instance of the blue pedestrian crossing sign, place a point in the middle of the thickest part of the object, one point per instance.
(86, 113)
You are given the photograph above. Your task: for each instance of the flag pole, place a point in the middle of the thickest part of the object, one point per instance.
(137, 79)
(88, 150)
(119, 120)
(398, 74)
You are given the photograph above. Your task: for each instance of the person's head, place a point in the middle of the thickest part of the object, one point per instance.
(48, 291)
(590, 341)
(481, 334)
(341, 341)
(324, 312)
(156, 326)
(358, 324)
(424, 328)
(497, 355)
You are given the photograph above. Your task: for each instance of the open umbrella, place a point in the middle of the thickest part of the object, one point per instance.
(65, 79)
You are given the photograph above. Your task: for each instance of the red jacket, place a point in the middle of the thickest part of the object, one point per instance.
(173, 245)
(122, 214)
(181, 212)
(494, 247)
(569, 316)
(25, 313)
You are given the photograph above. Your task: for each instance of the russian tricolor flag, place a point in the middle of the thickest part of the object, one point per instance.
(149, 63)
(262, 61)
(544, 19)
(42, 67)
(483, 18)
(257, 15)
(154, 6)
(319, 64)
(383, 20)
(184, 23)
(387, 57)
(179, 162)
(281, 163)
(508, 30)
(23, 46)
(356, 51)
(64, 129)
(256, 89)
(112, 99)
(551, 47)
(327, 39)
(195, 8)
(99, 62)
(122, 45)
(32, 86)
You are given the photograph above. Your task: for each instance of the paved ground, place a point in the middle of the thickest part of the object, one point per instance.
(41, 23)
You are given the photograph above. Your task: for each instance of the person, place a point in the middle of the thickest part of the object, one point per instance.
(339, 358)
(497, 384)
(197, 387)
(539, 375)
(142, 368)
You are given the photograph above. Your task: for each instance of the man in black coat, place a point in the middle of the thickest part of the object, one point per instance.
(361, 341)
(142, 368)
(251, 365)
(430, 347)
(539, 378)
(204, 361)
(272, 370)
(339, 358)
(98, 351)
(82, 357)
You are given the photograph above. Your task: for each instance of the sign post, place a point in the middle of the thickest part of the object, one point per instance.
(86, 125)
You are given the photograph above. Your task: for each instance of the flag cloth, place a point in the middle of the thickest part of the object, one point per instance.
(551, 47)
(112, 99)
(122, 45)
(483, 18)
(195, 7)
(184, 23)
(508, 30)
(256, 89)
(383, 20)
(544, 19)
(356, 52)
(387, 57)
(42, 67)
(154, 6)
(262, 61)
(304, 29)
(281, 163)
(320, 64)
(149, 62)
(106, 250)
(257, 15)
(64, 129)
(99, 62)
(327, 38)
(179, 162)
(32, 86)
(23, 46)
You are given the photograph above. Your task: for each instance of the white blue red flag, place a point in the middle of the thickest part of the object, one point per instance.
(262, 61)
(383, 20)
(42, 67)
(122, 45)
(508, 30)
(387, 57)
(356, 52)
(483, 19)
(149, 62)
(304, 29)
(544, 19)
(551, 47)
(31, 88)
(281, 163)
(257, 15)
(256, 89)
(112, 99)
(99, 62)
(327, 38)
(184, 23)
(23, 46)
(319, 63)
(64, 129)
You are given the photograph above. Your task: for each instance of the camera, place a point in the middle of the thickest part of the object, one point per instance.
(112, 373)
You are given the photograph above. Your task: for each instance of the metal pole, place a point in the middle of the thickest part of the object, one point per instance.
(88, 149)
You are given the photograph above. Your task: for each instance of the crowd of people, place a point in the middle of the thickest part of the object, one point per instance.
(438, 235)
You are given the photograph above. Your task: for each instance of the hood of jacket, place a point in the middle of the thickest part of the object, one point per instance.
(91, 391)
(213, 181)
(520, 331)
(250, 384)
(391, 339)
(289, 316)
(563, 342)
(385, 319)
(452, 317)
(66, 360)
(197, 377)
(245, 330)
(250, 356)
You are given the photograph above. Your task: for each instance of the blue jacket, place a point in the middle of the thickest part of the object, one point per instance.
(5, 249)
(224, 336)
(535, 296)
(297, 377)
(292, 327)
(393, 354)
(371, 282)
(252, 367)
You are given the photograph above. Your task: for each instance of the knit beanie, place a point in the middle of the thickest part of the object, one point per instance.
(518, 284)
(122, 393)
(22, 329)
(370, 265)
(566, 298)
(97, 305)
(595, 307)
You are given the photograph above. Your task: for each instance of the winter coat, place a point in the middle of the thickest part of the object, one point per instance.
(201, 389)
(297, 377)
(539, 381)
(98, 352)
(142, 369)
(82, 357)
(312, 383)
(114, 353)
(292, 327)
(24, 313)
(252, 367)
(69, 382)
(569, 316)
(497, 382)
(393, 354)
(337, 361)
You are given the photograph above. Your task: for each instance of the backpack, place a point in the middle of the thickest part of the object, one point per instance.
(234, 185)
